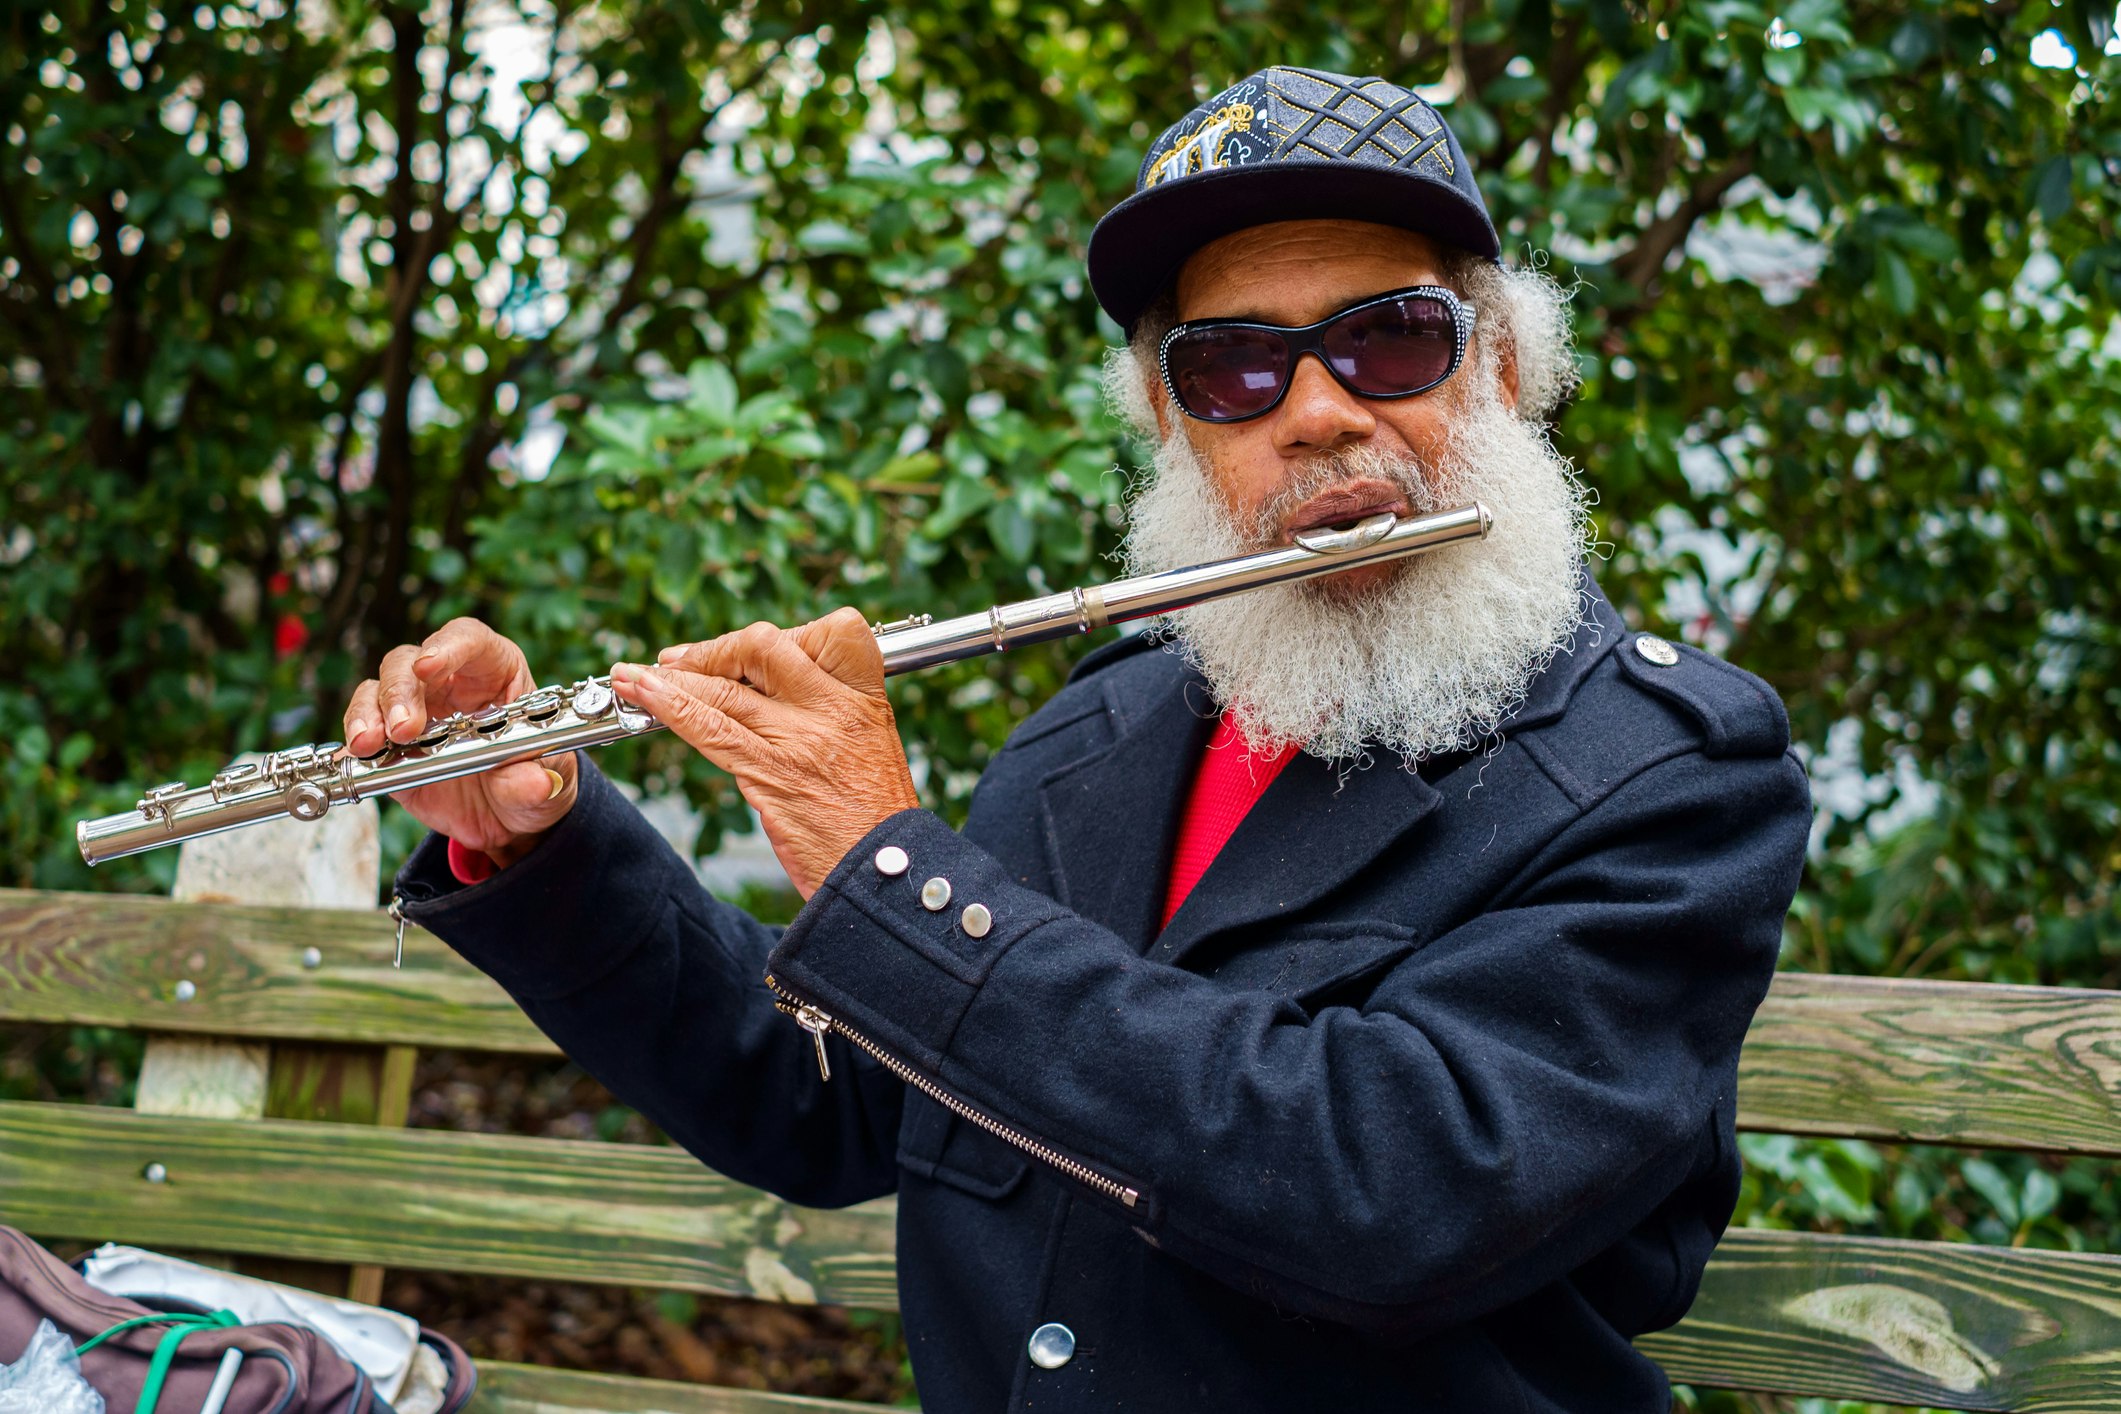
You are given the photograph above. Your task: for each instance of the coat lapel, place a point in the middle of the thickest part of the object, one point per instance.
(1312, 832)
(1309, 834)
(1111, 819)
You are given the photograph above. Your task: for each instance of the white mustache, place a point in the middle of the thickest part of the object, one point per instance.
(1435, 658)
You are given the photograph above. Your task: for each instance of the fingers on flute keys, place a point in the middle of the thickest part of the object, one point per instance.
(464, 659)
(364, 721)
(798, 663)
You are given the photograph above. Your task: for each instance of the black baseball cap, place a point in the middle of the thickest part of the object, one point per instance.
(1286, 145)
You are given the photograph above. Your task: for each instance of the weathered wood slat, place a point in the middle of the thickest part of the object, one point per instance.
(1934, 1062)
(1854, 1056)
(558, 1209)
(1981, 1066)
(115, 960)
(533, 1389)
(1948, 1325)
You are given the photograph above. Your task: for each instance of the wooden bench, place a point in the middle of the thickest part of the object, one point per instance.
(1948, 1325)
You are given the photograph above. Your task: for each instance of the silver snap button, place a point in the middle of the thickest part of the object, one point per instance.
(935, 894)
(891, 861)
(1052, 1346)
(155, 1173)
(312, 957)
(186, 990)
(976, 920)
(1656, 650)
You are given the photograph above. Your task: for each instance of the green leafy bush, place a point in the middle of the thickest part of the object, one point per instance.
(622, 323)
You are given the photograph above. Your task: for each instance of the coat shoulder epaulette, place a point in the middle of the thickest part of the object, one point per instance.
(1647, 700)
(1736, 713)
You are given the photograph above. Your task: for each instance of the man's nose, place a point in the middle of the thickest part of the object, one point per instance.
(1319, 414)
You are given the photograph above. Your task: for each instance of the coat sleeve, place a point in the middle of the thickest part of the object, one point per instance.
(608, 941)
(1511, 1100)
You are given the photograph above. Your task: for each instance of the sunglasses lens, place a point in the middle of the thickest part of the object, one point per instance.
(1220, 375)
(1400, 346)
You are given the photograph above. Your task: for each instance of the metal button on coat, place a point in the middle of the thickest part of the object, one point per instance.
(1656, 650)
(891, 861)
(1052, 1346)
(976, 920)
(935, 894)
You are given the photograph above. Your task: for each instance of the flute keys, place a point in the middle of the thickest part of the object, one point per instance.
(155, 805)
(235, 776)
(592, 699)
(291, 762)
(633, 719)
(540, 706)
(488, 720)
(306, 800)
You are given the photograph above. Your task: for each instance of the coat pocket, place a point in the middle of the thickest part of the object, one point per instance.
(936, 1144)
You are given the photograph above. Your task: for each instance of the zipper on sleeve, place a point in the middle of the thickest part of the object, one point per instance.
(821, 1024)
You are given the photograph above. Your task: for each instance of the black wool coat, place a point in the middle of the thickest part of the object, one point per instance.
(1422, 1102)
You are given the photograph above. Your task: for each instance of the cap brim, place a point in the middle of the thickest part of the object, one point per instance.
(1141, 242)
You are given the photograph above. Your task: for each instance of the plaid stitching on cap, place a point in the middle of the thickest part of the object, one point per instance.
(1332, 103)
(1333, 146)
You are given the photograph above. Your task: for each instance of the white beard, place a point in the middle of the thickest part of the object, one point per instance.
(1430, 662)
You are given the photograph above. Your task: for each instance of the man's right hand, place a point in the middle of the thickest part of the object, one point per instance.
(462, 667)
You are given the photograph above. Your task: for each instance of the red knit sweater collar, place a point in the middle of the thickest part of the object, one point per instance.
(1230, 782)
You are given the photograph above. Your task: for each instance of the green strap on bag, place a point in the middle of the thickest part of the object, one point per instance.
(181, 1325)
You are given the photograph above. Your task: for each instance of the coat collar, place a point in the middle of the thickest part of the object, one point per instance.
(1111, 819)
(1548, 696)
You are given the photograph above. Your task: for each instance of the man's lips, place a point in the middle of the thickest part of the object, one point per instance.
(1343, 505)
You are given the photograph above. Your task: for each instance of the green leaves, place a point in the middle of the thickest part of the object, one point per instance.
(2051, 188)
(833, 345)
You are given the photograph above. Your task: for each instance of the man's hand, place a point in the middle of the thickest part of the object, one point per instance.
(461, 667)
(800, 719)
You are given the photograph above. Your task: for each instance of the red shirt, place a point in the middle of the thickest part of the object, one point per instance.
(469, 865)
(1230, 782)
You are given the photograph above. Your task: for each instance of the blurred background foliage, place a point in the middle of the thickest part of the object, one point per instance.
(622, 323)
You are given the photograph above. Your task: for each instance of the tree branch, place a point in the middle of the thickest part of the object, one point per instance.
(1642, 263)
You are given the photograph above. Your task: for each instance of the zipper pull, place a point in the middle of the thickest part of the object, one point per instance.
(819, 1026)
(397, 913)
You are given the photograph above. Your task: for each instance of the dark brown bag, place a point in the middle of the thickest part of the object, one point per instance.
(287, 1369)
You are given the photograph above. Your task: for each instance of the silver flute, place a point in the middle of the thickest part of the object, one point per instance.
(307, 781)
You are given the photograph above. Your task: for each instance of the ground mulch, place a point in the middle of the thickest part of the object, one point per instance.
(623, 1330)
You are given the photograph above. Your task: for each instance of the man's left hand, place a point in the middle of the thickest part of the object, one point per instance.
(799, 718)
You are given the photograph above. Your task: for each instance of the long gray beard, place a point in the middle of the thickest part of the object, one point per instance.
(1431, 662)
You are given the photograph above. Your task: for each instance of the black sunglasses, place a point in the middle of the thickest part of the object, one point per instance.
(1391, 346)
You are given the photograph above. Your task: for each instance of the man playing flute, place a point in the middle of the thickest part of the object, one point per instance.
(1333, 1003)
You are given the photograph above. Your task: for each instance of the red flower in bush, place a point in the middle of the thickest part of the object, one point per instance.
(289, 634)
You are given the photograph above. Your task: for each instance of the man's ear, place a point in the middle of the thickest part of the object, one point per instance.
(1160, 403)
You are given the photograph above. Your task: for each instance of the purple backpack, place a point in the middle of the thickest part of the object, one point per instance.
(130, 1350)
